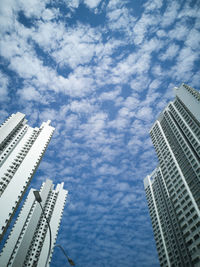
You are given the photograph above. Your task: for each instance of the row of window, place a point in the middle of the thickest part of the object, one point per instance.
(192, 91)
(187, 117)
(185, 129)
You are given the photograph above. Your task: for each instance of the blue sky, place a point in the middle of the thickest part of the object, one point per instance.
(102, 71)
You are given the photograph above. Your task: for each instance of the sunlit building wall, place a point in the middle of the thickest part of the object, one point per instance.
(28, 242)
(173, 189)
(21, 149)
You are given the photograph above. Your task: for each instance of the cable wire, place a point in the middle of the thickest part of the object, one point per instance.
(50, 235)
(69, 260)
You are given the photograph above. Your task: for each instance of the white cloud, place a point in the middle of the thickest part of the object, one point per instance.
(30, 94)
(28, 66)
(48, 114)
(128, 199)
(48, 35)
(25, 62)
(135, 63)
(139, 83)
(195, 80)
(185, 62)
(170, 53)
(145, 113)
(114, 4)
(111, 95)
(50, 14)
(97, 121)
(76, 85)
(123, 187)
(114, 14)
(33, 8)
(124, 112)
(3, 115)
(188, 11)
(103, 106)
(104, 50)
(72, 121)
(120, 19)
(152, 5)
(140, 30)
(161, 33)
(179, 32)
(170, 14)
(83, 106)
(7, 15)
(158, 71)
(142, 27)
(107, 169)
(68, 46)
(132, 102)
(152, 45)
(120, 123)
(139, 129)
(77, 46)
(92, 3)
(13, 45)
(193, 39)
(154, 84)
(4, 82)
(72, 4)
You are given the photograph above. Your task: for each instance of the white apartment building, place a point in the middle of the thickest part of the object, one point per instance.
(21, 149)
(173, 189)
(28, 242)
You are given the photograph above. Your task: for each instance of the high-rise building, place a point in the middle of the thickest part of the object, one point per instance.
(21, 149)
(29, 240)
(173, 189)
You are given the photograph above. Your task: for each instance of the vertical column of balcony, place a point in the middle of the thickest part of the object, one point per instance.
(188, 204)
(41, 231)
(55, 208)
(9, 127)
(178, 252)
(190, 146)
(154, 209)
(23, 232)
(14, 239)
(187, 123)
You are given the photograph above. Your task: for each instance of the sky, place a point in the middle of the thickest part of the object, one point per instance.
(101, 71)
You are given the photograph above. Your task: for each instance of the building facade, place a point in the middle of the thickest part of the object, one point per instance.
(173, 189)
(21, 149)
(28, 242)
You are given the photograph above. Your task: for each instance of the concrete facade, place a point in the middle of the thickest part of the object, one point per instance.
(21, 149)
(173, 189)
(28, 242)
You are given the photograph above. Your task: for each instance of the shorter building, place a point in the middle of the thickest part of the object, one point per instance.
(28, 242)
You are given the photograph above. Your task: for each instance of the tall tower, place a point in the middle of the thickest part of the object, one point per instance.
(21, 149)
(173, 189)
(28, 242)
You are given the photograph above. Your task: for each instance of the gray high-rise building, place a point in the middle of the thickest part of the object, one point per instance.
(21, 149)
(29, 240)
(173, 189)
